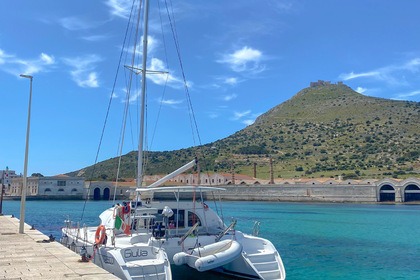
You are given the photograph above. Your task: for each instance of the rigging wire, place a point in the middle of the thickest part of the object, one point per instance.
(105, 120)
(125, 115)
(166, 80)
(193, 120)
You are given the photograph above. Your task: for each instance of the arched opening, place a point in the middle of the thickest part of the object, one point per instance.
(412, 193)
(97, 194)
(106, 194)
(387, 193)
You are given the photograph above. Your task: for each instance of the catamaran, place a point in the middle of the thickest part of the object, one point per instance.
(165, 225)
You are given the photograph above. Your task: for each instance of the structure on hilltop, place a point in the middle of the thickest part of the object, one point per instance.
(323, 83)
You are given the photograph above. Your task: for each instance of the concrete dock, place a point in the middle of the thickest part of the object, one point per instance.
(31, 256)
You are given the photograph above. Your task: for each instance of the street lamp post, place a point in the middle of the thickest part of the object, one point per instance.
(1, 198)
(25, 168)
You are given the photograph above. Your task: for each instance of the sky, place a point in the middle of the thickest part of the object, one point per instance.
(239, 59)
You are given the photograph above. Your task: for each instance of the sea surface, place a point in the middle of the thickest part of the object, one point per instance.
(315, 241)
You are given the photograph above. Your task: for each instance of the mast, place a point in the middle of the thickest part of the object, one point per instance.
(143, 96)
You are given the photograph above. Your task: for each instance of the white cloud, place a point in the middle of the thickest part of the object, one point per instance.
(248, 122)
(47, 59)
(152, 45)
(165, 77)
(412, 65)
(134, 96)
(120, 8)
(245, 117)
(403, 96)
(4, 56)
(360, 89)
(83, 70)
(229, 97)
(16, 66)
(90, 81)
(231, 81)
(95, 38)
(394, 74)
(244, 60)
(213, 115)
(352, 75)
(76, 23)
(239, 115)
(170, 101)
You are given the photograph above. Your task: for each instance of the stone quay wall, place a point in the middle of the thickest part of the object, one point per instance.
(301, 193)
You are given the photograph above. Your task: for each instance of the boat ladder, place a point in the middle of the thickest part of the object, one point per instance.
(265, 264)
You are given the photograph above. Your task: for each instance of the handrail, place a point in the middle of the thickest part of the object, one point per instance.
(231, 226)
(256, 228)
(188, 233)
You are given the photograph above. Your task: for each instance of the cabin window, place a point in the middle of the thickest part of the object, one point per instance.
(193, 219)
(177, 216)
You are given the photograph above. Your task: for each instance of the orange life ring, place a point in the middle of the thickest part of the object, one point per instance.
(100, 234)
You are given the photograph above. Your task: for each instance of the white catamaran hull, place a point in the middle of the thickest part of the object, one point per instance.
(125, 260)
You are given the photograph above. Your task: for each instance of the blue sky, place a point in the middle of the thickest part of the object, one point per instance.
(240, 59)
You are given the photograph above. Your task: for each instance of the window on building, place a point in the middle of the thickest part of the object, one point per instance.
(61, 190)
(61, 183)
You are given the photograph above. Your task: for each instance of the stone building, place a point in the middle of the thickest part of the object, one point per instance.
(51, 187)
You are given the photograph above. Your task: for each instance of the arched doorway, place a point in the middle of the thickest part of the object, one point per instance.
(97, 194)
(106, 194)
(387, 193)
(412, 193)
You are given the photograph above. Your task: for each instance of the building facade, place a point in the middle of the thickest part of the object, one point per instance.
(51, 187)
(6, 178)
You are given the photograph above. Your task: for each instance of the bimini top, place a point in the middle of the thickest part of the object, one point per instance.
(180, 189)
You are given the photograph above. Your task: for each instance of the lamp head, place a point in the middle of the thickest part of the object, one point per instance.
(26, 76)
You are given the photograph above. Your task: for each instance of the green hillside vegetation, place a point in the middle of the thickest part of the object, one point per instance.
(323, 131)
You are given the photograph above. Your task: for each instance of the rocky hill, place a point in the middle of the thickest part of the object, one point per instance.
(325, 130)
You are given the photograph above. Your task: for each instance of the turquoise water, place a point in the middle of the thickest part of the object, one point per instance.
(316, 241)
